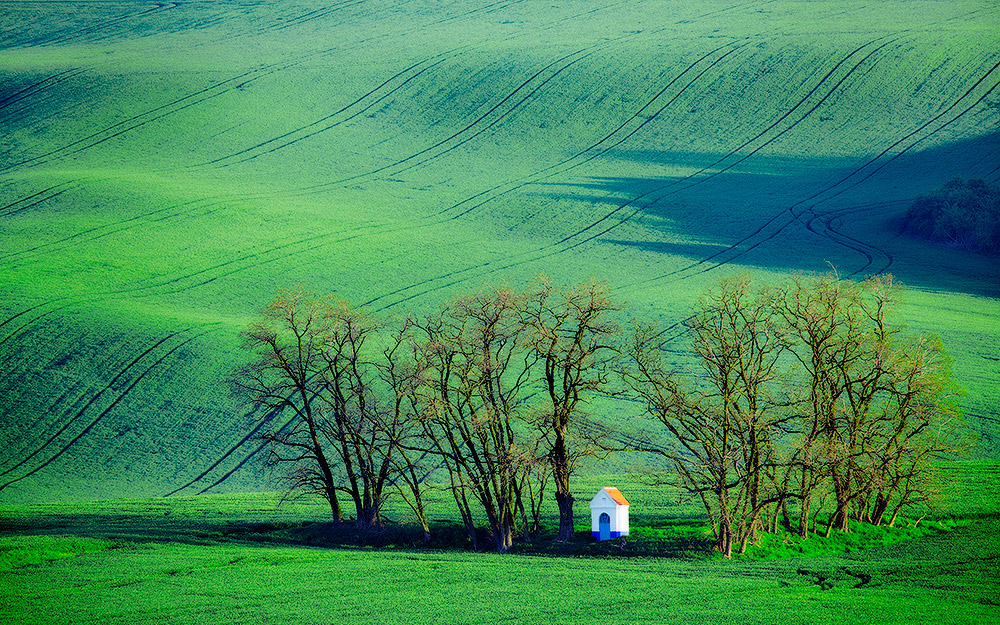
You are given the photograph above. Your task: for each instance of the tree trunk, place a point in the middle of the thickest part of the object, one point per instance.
(565, 503)
(560, 474)
(503, 533)
(804, 516)
(724, 542)
(368, 516)
(331, 496)
(878, 512)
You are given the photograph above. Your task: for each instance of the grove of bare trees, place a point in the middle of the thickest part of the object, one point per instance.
(803, 394)
(805, 399)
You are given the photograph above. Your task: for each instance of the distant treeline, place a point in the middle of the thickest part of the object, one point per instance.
(963, 213)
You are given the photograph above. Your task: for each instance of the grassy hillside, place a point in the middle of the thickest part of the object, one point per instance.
(167, 166)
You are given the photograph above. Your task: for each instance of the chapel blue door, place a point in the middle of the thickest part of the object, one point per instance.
(604, 525)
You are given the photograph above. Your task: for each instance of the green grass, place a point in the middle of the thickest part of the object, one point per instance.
(168, 167)
(20, 551)
(240, 558)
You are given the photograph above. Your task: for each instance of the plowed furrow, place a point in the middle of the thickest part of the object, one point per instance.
(94, 398)
(600, 147)
(310, 130)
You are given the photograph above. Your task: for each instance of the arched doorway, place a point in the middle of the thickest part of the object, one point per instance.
(604, 525)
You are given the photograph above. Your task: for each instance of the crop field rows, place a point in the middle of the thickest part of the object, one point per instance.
(170, 165)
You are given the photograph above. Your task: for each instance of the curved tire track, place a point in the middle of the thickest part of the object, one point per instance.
(53, 192)
(331, 116)
(458, 135)
(567, 243)
(104, 413)
(547, 172)
(94, 398)
(78, 33)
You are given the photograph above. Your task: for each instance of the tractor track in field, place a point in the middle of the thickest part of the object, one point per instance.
(829, 230)
(107, 388)
(137, 121)
(115, 227)
(223, 87)
(792, 216)
(492, 7)
(459, 138)
(54, 191)
(165, 285)
(729, 154)
(674, 187)
(472, 129)
(798, 216)
(232, 450)
(328, 122)
(124, 393)
(313, 15)
(868, 251)
(70, 301)
(74, 34)
(34, 89)
(567, 243)
(239, 465)
(311, 127)
(571, 162)
(250, 435)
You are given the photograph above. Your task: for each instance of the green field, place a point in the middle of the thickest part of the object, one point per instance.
(166, 167)
(243, 558)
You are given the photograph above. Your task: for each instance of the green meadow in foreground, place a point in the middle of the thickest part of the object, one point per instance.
(244, 558)
(167, 167)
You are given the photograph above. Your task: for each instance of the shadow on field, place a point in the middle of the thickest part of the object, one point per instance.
(664, 538)
(788, 214)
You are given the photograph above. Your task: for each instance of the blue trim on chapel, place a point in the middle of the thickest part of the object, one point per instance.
(597, 535)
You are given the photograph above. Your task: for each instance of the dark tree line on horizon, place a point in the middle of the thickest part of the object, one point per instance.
(806, 400)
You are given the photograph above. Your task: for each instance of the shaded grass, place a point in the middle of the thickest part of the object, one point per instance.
(184, 571)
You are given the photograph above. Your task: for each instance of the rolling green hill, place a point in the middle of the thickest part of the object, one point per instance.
(167, 166)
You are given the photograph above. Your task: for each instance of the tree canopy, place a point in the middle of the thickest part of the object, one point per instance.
(806, 398)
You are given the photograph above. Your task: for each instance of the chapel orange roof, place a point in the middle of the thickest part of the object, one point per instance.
(616, 495)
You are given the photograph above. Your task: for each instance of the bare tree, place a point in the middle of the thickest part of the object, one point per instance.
(321, 359)
(477, 374)
(723, 425)
(287, 344)
(401, 373)
(576, 343)
(876, 400)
